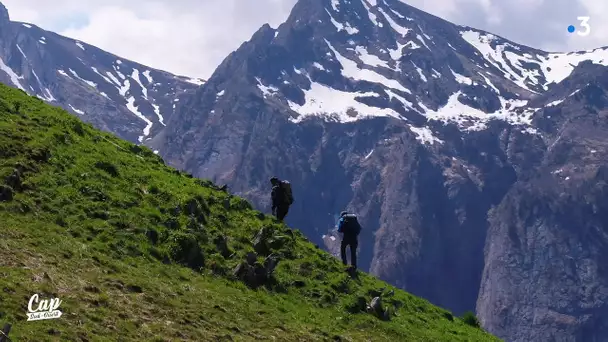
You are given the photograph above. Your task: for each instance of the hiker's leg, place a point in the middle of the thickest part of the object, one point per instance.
(343, 252)
(353, 253)
(285, 211)
(282, 212)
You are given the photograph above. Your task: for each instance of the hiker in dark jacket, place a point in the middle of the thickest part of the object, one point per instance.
(281, 196)
(350, 228)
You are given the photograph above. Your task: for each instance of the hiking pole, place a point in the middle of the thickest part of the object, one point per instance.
(4, 333)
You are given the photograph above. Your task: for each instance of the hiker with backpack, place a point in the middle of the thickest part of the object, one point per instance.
(282, 197)
(350, 228)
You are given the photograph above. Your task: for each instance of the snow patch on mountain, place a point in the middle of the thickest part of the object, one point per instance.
(113, 78)
(517, 67)
(489, 83)
(369, 59)
(496, 56)
(403, 31)
(21, 51)
(554, 103)
(196, 81)
(472, 119)
(372, 17)
(318, 66)
(342, 27)
(14, 77)
(124, 88)
(148, 76)
(461, 79)
(350, 69)
(420, 39)
(120, 74)
(266, 90)
(131, 106)
(558, 66)
(161, 119)
(92, 84)
(406, 104)
(77, 111)
(420, 73)
(335, 4)
(337, 105)
(102, 76)
(135, 76)
(425, 135)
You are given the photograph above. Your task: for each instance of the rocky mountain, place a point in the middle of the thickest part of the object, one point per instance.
(113, 93)
(477, 165)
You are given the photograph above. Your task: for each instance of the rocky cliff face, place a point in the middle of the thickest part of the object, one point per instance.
(475, 163)
(114, 94)
(545, 276)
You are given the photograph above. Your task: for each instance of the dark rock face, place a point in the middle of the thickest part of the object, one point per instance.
(545, 262)
(114, 94)
(4, 17)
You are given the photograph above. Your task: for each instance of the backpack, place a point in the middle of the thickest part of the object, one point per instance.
(287, 194)
(351, 225)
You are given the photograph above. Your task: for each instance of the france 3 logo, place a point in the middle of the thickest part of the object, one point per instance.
(584, 24)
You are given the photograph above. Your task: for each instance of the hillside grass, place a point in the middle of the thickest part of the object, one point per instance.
(130, 247)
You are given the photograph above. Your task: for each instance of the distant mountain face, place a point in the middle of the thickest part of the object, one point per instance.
(115, 94)
(476, 164)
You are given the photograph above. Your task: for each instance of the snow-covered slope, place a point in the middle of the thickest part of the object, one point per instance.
(364, 58)
(530, 69)
(115, 94)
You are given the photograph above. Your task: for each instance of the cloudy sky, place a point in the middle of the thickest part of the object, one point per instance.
(191, 37)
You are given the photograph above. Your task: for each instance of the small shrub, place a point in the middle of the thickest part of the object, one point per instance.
(217, 265)
(78, 128)
(238, 203)
(110, 168)
(470, 319)
(356, 305)
(184, 248)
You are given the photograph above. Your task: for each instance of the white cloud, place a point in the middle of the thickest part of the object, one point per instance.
(185, 37)
(192, 37)
(538, 23)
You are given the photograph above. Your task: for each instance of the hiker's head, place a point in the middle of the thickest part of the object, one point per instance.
(274, 181)
(344, 213)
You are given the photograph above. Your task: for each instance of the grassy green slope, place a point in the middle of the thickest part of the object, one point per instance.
(129, 246)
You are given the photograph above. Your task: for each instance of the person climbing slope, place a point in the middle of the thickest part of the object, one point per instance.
(282, 197)
(350, 228)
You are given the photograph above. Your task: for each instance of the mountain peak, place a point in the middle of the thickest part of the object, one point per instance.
(4, 17)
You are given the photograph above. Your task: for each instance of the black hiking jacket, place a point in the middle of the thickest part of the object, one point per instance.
(348, 234)
(277, 196)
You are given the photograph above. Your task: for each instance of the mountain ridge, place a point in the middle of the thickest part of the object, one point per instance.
(114, 93)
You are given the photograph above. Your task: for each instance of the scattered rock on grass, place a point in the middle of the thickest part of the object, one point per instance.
(6, 193)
